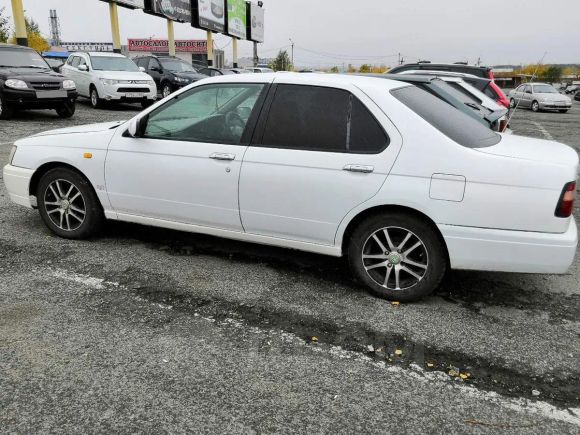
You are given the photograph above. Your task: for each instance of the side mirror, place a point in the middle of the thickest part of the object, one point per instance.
(142, 69)
(83, 68)
(137, 126)
(156, 68)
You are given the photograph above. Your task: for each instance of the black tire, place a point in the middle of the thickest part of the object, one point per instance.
(512, 103)
(6, 111)
(535, 106)
(432, 251)
(93, 218)
(563, 110)
(166, 89)
(67, 110)
(94, 98)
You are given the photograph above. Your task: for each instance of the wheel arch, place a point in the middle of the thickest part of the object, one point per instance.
(376, 210)
(44, 168)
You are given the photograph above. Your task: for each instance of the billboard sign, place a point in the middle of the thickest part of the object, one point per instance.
(196, 46)
(132, 4)
(256, 23)
(176, 10)
(237, 18)
(209, 14)
(87, 46)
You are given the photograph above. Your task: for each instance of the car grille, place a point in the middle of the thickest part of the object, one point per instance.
(144, 90)
(45, 86)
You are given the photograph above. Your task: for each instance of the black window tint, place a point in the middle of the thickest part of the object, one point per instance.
(154, 63)
(453, 123)
(490, 93)
(308, 117)
(366, 134)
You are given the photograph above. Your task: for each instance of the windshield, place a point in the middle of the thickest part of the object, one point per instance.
(105, 63)
(545, 89)
(175, 65)
(22, 58)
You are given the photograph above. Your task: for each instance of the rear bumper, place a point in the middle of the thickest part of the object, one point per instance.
(510, 251)
(17, 182)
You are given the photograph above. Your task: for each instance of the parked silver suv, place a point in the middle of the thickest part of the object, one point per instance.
(539, 96)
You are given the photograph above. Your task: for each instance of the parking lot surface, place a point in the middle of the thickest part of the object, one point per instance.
(145, 329)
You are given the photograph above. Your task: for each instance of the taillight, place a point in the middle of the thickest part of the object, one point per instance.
(566, 203)
(491, 76)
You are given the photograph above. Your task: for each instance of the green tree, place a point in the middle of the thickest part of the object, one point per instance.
(4, 25)
(35, 39)
(365, 68)
(282, 62)
(552, 74)
(334, 69)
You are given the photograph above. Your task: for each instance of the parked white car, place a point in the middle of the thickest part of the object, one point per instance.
(394, 178)
(112, 77)
(539, 96)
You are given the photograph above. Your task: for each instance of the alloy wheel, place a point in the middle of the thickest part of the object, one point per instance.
(166, 91)
(94, 98)
(395, 258)
(65, 205)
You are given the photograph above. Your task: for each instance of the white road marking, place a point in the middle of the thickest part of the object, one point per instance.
(542, 130)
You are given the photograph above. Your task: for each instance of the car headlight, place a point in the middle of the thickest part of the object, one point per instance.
(109, 82)
(181, 80)
(12, 152)
(69, 84)
(15, 84)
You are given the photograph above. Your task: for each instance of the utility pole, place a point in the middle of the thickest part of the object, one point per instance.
(292, 58)
(115, 27)
(19, 23)
(54, 29)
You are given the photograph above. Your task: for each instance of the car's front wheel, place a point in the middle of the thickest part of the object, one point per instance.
(6, 112)
(512, 103)
(397, 256)
(68, 204)
(66, 110)
(95, 99)
(166, 90)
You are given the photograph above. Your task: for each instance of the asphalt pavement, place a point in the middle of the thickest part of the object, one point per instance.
(151, 330)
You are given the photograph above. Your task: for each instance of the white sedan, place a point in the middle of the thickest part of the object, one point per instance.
(377, 170)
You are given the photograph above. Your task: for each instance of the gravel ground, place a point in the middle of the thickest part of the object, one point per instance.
(146, 330)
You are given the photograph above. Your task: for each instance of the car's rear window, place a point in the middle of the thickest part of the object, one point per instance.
(453, 123)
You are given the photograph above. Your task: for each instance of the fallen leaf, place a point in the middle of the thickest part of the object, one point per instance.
(395, 303)
(314, 339)
(398, 352)
(430, 365)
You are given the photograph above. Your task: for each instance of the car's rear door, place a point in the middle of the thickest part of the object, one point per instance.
(318, 152)
(185, 166)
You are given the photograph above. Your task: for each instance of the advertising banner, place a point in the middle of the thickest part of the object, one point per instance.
(87, 46)
(256, 23)
(132, 4)
(176, 10)
(236, 18)
(196, 46)
(210, 15)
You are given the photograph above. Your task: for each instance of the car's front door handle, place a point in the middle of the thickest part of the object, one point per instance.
(222, 156)
(359, 168)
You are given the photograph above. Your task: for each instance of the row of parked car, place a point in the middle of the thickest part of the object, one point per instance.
(30, 82)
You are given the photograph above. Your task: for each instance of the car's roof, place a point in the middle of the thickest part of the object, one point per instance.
(314, 79)
(443, 74)
(13, 46)
(427, 64)
(100, 53)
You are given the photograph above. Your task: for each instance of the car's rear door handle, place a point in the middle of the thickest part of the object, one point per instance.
(359, 168)
(222, 156)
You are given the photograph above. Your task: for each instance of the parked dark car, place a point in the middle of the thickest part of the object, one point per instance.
(170, 73)
(28, 82)
(460, 67)
(212, 72)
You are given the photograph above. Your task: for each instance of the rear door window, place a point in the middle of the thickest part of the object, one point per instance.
(453, 123)
(322, 119)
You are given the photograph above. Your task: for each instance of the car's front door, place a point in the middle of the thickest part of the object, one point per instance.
(185, 165)
(527, 98)
(154, 70)
(84, 76)
(319, 153)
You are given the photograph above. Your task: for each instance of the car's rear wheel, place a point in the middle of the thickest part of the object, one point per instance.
(6, 111)
(397, 256)
(68, 204)
(95, 99)
(512, 103)
(66, 110)
(535, 106)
